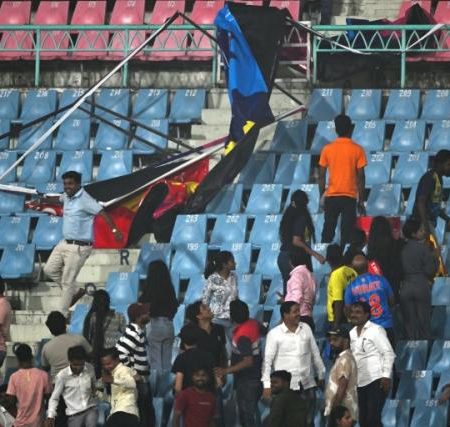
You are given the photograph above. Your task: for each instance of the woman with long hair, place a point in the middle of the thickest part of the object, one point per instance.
(159, 292)
(297, 231)
(340, 417)
(102, 326)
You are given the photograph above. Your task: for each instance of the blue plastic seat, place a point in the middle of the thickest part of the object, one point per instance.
(409, 168)
(430, 413)
(408, 135)
(39, 167)
(415, 385)
(29, 136)
(229, 228)
(436, 105)
(403, 104)
(265, 230)
(178, 320)
(150, 104)
(114, 164)
(158, 404)
(227, 200)
(110, 138)
(324, 104)
(370, 134)
(256, 312)
(411, 355)
(123, 288)
(274, 292)
(440, 322)
(293, 169)
(396, 413)
(73, 134)
(365, 104)
(79, 161)
(249, 288)
(17, 261)
(264, 199)
(275, 318)
(325, 133)
(117, 100)
(160, 125)
(9, 103)
(260, 169)
(378, 168)
(440, 230)
(187, 105)
(14, 230)
(242, 253)
(410, 201)
(69, 96)
(50, 187)
(38, 103)
(320, 320)
(312, 190)
(267, 264)
(5, 126)
(189, 259)
(439, 136)
(439, 360)
(290, 136)
(7, 159)
(384, 199)
(189, 228)
(77, 318)
(194, 290)
(48, 232)
(11, 203)
(320, 270)
(151, 252)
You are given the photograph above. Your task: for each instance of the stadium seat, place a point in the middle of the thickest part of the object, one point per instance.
(378, 169)
(30, 135)
(73, 134)
(14, 230)
(249, 288)
(48, 232)
(242, 253)
(292, 5)
(274, 292)
(171, 44)
(365, 104)
(403, 104)
(114, 164)
(123, 288)
(158, 404)
(160, 125)
(293, 169)
(442, 12)
(439, 360)
(320, 318)
(39, 167)
(440, 229)
(79, 161)
(178, 320)
(116, 100)
(440, 292)
(264, 199)
(9, 103)
(369, 134)
(325, 133)
(189, 228)
(194, 290)
(37, 103)
(77, 318)
(275, 318)
(5, 126)
(260, 169)
(409, 168)
(384, 199)
(290, 136)
(50, 188)
(229, 228)
(189, 259)
(69, 96)
(436, 105)
(163, 10)
(396, 413)
(250, 2)
(324, 104)
(408, 135)
(407, 4)
(227, 200)
(415, 385)
(187, 105)
(151, 252)
(320, 270)
(7, 159)
(430, 413)
(411, 355)
(265, 230)
(17, 261)
(11, 203)
(318, 221)
(439, 136)
(410, 202)
(110, 138)
(312, 190)
(150, 104)
(440, 322)
(267, 260)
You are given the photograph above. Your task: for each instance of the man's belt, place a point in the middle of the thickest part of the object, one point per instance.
(78, 242)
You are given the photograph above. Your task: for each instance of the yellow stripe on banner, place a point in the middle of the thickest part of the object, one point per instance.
(231, 144)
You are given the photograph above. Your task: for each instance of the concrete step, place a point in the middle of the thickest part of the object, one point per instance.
(213, 116)
(21, 333)
(99, 273)
(27, 317)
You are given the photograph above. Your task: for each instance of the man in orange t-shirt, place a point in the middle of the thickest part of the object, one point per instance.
(345, 161)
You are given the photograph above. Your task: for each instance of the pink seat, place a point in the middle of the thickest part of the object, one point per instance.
(53, 13)
(250, 2)
(16, 13)
(164, 9)
(424, 4)
(292, 5)
(442, 13)
(90, 13)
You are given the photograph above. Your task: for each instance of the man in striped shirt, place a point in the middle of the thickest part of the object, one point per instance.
(132, 347)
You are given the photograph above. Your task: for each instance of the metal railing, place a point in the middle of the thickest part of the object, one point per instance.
(408, 42)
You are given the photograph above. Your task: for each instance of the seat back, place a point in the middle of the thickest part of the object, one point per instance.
(242, 254)
(430, 413)
(123, 288)
(9, 103)
(378, 168)
(77, 318)
(117, 100)
(325, 133)
(415, 385)
(110, 138)
(11, 203)
(159, 125)
(365, 104)
(229, 228)
(409, 135)
(370, 134)
(403, 104)
(260, 169)
(189, 258)
(384, 199)
(264, 199)
(68, 97)
(17, 261)
(150, 104)
(39, 167)
(249, 288)
(267, 264)
(38, 103)
(324, 104)
(265, 230)
(114, 164)
(7, 159)
(204, 12)
(293, 169)
(128, 12)
(409, 168)
(290, 136)
(14, 230)
(312, 190)
(163, 10)
(194, 290)
(187, 105)
(396, 413)
(78, 161)
(411, 355)
(439, 136)
(73, 134)
(30, 135)
(48, 232)
(189, 229)
(439, 360)
(436, 105)
(151, 252)
(227, 200)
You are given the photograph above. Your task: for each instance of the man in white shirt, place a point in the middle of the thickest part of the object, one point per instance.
(76, 384)
(374, 359)
(291, 346)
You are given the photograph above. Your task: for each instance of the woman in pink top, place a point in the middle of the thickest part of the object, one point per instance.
(301, 286)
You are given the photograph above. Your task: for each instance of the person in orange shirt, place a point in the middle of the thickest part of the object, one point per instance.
(345, 161)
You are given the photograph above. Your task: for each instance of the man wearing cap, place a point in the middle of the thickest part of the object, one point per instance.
(341, 388)
(132, 347)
